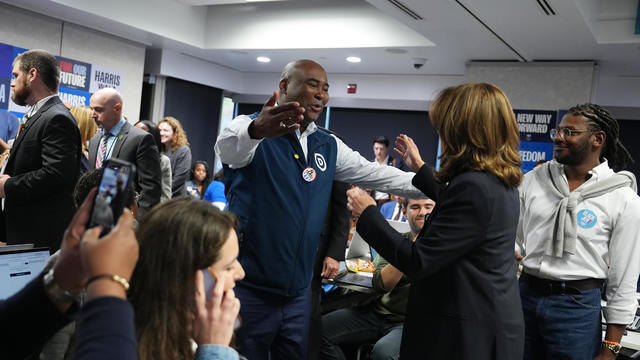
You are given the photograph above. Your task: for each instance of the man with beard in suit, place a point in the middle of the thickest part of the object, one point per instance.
(38, 180)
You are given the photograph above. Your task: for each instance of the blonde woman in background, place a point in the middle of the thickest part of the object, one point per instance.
(174, 138)
(88, 128)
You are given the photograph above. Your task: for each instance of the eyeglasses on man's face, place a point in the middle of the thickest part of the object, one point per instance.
(565, 132)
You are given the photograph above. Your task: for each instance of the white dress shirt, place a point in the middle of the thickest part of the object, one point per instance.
(34, 109)
(236, 148)
(608, 242)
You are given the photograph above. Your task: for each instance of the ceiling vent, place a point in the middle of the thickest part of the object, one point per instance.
(405, 9)
(544, 5)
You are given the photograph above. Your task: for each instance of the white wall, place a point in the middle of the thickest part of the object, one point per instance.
(196, 70)
(285, 25)
(167, 18)
(29, 30)
(403, 92)
(544, 86)
(541, 86)
(618, 91)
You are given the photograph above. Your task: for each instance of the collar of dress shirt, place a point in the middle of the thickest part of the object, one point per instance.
(115, 130)
(34, 109)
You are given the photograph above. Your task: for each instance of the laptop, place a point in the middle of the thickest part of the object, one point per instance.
(18, 267)
(360, 249)
(400, 226)
(7, 248)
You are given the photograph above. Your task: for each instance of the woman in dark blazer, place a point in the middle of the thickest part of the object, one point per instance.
(464, 301)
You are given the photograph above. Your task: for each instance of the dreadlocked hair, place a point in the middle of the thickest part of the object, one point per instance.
(600, 119)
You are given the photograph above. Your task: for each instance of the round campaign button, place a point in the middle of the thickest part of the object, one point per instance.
(309, 174)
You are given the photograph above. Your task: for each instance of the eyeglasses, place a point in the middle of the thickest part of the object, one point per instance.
(565, 132)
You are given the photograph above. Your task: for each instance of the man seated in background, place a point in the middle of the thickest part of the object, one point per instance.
(382, 320)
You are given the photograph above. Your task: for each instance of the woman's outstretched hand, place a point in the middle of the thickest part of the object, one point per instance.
(407, 149)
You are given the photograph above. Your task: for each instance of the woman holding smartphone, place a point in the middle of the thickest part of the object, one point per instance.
(182, 242)
(464, 301)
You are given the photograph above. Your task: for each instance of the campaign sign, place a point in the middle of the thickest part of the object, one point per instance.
(74, 74)
(561, 114)
(102, 77)
(5, 87)
(532, 152)
(534, 125)
(17, 109)
(74, 97)
(6, 59)
(17, 51)
(19, 115)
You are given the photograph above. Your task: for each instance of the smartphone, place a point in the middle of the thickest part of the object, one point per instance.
(209, 283)
(112, 195)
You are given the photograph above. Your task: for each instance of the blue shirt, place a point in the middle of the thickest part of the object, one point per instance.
(8, 125)
(111, 141)
(215, 192)
(215, 352)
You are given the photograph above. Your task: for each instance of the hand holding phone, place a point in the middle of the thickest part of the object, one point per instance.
(112, 194)
(216, 316)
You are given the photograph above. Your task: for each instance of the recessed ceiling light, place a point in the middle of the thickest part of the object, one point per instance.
(263, 59)
(353, 59)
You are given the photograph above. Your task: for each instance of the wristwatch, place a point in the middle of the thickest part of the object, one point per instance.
(59, 294)
(613, 346)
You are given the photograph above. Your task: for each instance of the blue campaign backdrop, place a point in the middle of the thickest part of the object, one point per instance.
(535, 141)
(75, 80)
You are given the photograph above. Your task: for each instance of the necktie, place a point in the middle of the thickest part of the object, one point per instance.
(102, 150)
(25, 118)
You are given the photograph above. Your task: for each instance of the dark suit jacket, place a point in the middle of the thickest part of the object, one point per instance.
(29, 319)
(332, 243)
(335, 231)
(44, 166)
(464, 301)
(138, 147)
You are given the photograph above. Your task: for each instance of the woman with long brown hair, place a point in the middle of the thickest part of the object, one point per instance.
(464, 301)
(182, 242)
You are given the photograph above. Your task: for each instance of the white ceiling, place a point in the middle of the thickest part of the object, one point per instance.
(233, 33)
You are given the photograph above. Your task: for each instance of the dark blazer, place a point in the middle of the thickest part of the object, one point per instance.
(29, 319)
(138, 147)
(335, 231)
(332, 243)
(464, 301)
(44, 166)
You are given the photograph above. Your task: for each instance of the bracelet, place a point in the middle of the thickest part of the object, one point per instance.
(613, 346)
(120, 280)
